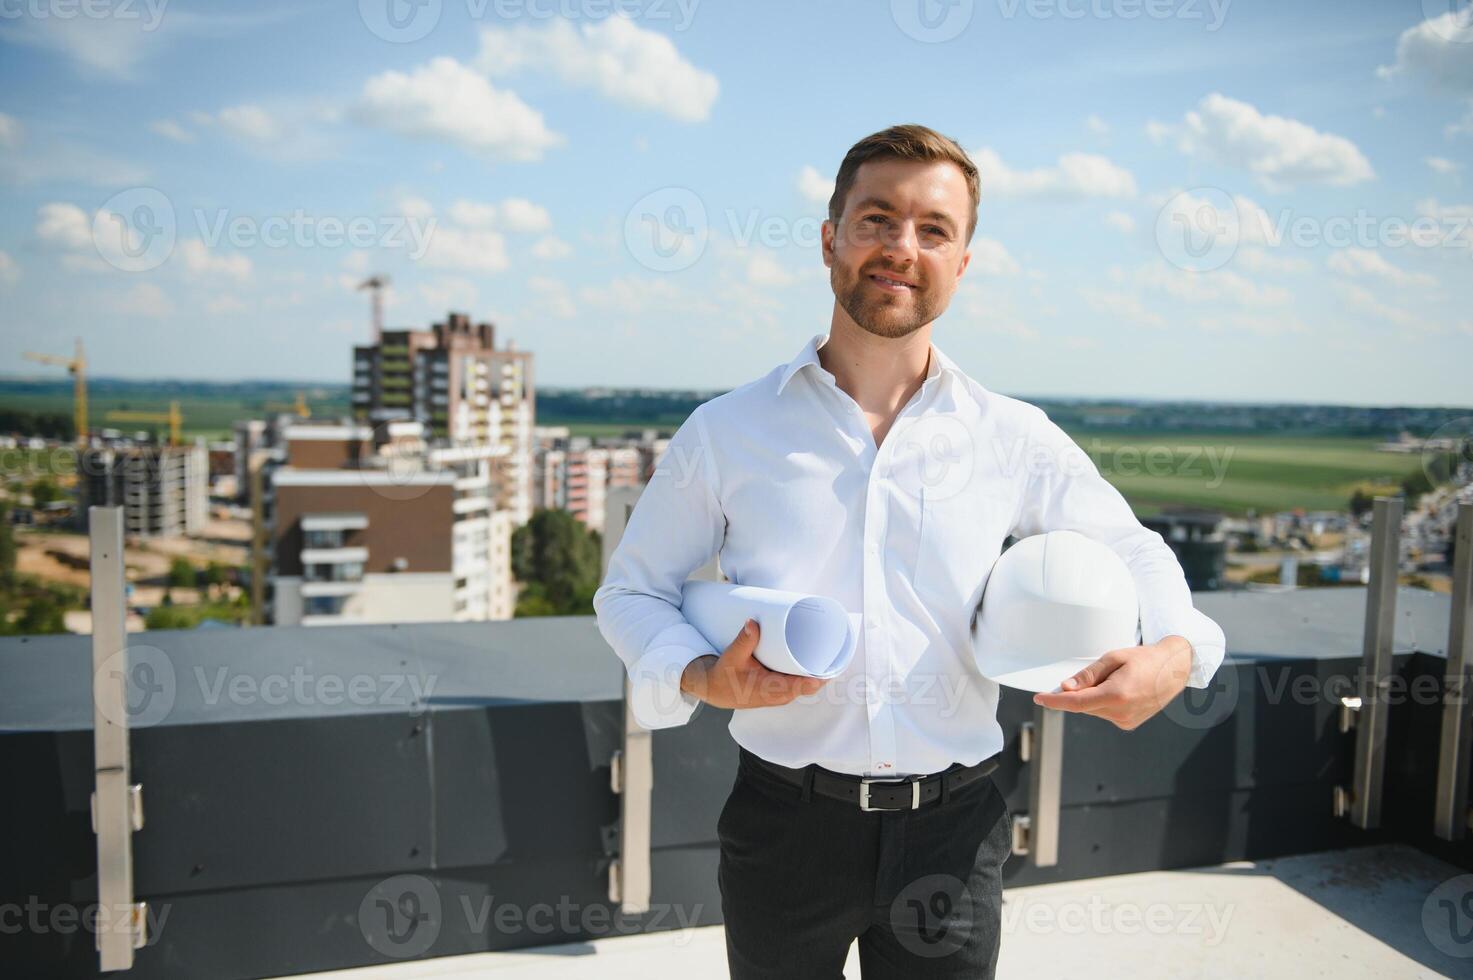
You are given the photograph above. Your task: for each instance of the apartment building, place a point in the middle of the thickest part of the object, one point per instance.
(369, 524)
(573, 474)
(466, 392)
(163, 490)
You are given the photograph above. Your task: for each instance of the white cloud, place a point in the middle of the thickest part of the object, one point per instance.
(1268, 260)
(1264, 324)
(416, 208)
(169, 129)
(446, 101)
(223, 304)
(1464, 127)
(1076, 175)
(10, 131)
(144, 299)
(553, 296)
(763, 269)
(1217, 286)
(1442, 165)
(815, 186)
(450, 293)
(991, 258)
(1122, 306)
(472, 249)
(1364, 262)
(108, 46)
(250, 123)
(9, 271)
(1280, 152)
(1121, 222)
(64, 224)
(520, 215)
(633, 296)
(615, 57)
(201, 260)
(473, 214)
(1438, 49)
(551, 248)
(1363, 301)
(1097, 126)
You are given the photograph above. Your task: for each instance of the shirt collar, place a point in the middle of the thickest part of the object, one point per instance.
(940, 363)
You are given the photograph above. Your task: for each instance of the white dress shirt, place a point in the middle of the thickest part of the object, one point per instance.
(781, 478)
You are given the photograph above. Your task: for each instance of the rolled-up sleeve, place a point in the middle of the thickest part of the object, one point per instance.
(1065, 491)
(675, 528)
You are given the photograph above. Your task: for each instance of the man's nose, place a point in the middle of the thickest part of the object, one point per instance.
(900, 241)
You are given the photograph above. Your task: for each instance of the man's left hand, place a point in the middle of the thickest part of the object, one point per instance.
(1126, 686)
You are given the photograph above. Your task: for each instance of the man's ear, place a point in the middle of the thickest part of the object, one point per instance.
(826, 242)
(962, 266)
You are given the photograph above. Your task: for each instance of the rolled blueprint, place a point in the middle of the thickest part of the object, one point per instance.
(807, 635)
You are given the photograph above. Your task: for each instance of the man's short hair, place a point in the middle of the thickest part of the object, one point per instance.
(908, 142)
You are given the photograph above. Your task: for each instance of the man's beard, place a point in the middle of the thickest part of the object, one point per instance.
(876, 315)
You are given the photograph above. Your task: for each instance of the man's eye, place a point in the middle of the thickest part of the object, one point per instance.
(939, 232)
(875, 217)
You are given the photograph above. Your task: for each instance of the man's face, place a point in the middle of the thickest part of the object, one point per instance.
(900, 247)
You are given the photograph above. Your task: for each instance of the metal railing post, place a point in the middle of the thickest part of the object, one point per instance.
(1036, 833)
(1372, 719)
(117, 805)
(1450, 818)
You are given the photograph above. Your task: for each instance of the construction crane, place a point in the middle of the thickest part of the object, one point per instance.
(376, 285)
(77, 365)
(172, 416)
(299, 408)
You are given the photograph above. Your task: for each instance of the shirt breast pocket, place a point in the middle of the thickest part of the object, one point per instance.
(957, 545)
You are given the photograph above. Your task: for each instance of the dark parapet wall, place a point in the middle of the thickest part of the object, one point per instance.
(460, 801)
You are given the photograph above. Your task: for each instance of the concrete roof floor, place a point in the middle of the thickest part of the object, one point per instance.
(1369, 912)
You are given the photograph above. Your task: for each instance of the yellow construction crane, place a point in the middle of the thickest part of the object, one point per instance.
(77, 365)
(172, 416)
(300, 408)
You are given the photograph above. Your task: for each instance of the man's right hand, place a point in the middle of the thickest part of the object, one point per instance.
(736, 679)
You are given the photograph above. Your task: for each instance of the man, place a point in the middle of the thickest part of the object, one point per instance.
(872, 470)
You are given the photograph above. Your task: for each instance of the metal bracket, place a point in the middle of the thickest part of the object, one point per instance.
(135, 807)
(1022, 827)
(1026, 735)
(1340, 801)
(1349, 706)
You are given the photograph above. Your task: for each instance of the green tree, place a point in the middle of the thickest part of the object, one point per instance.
(43, 614)
(1360, 503)
(181, 573)
(170, 618)
(45, 491)
(557, 555)
(7, 550)
(216, 576)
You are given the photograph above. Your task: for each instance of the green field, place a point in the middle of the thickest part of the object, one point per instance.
(1228, 472)
(1259, 473)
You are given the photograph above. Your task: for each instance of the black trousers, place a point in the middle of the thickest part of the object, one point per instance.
(801, 880)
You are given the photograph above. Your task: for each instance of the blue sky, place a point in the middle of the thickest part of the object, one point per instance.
(1238, 199)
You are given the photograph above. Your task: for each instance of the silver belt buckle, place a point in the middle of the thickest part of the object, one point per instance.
(864, 784)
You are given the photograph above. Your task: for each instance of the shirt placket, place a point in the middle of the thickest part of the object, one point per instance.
(879, 657)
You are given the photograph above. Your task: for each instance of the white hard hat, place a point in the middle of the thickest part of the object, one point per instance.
(1053, 603)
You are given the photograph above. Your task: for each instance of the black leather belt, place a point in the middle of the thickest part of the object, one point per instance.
(876, 793)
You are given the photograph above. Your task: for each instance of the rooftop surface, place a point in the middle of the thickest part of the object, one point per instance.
(1362, 913)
